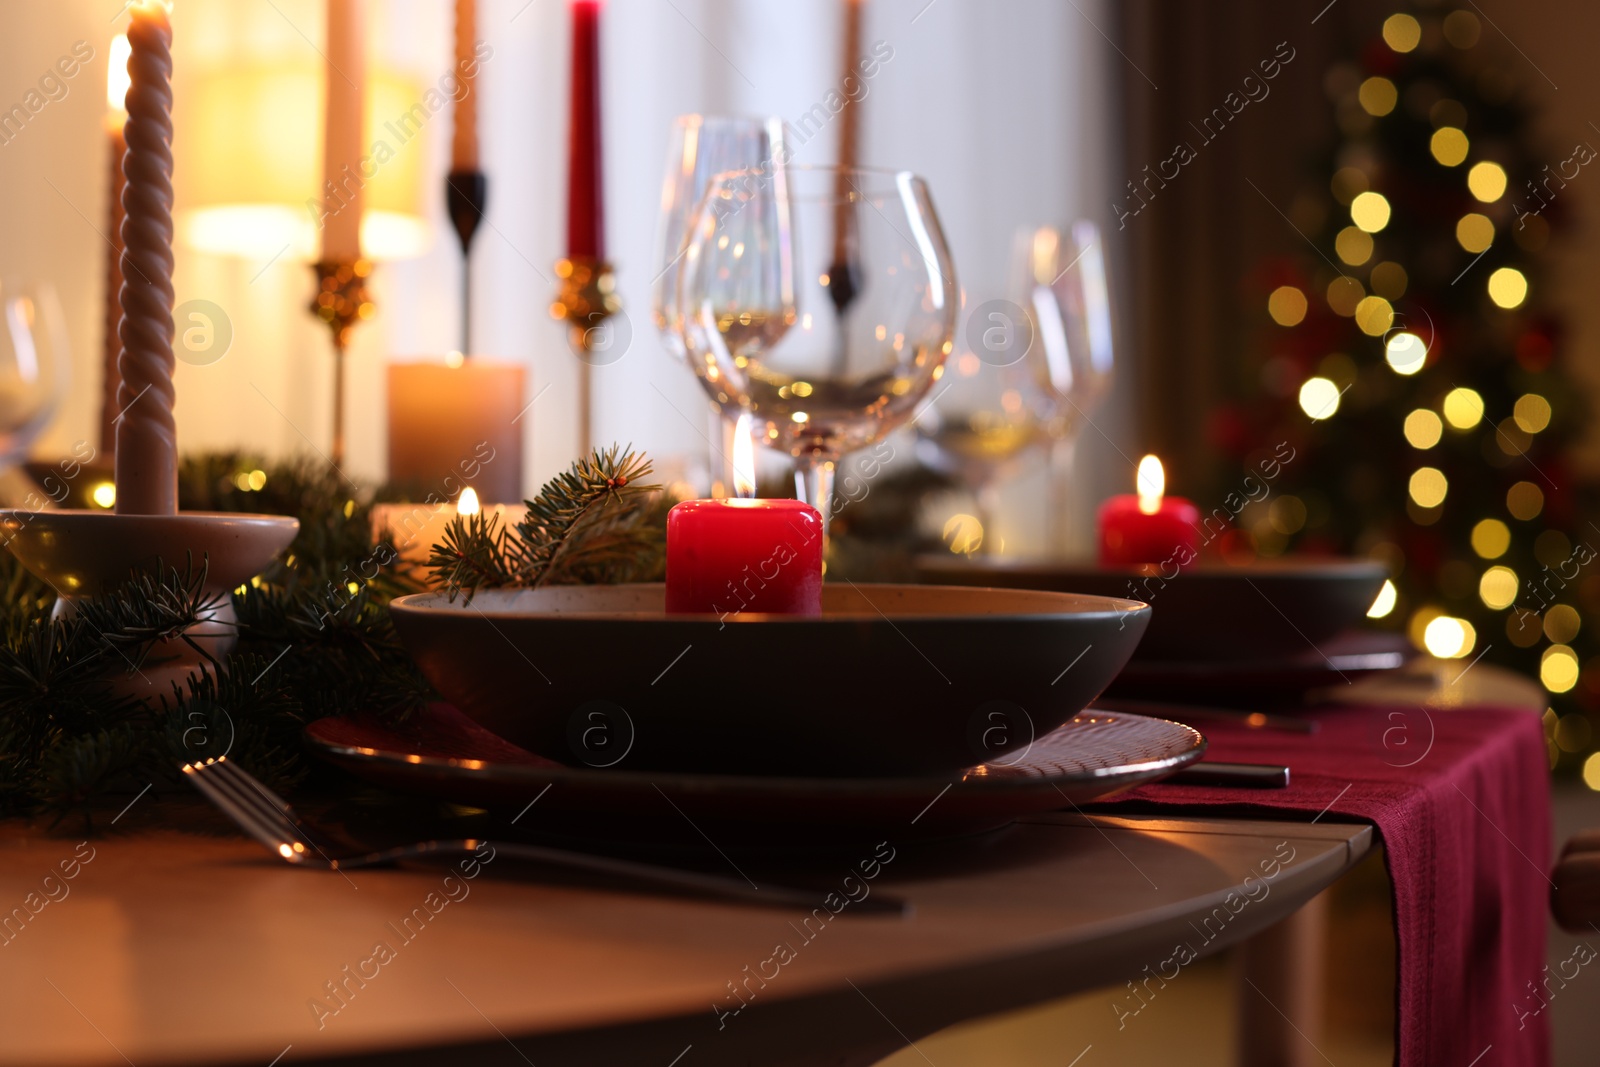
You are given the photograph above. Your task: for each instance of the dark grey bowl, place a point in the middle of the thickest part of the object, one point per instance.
(890, 680)
(1211, 611)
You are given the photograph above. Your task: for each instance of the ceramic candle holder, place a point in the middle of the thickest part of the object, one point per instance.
(89, 553)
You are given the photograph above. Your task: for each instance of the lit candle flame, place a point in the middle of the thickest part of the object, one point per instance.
(467, 502)
(1151, 482)
(117, 79)
(744, 459)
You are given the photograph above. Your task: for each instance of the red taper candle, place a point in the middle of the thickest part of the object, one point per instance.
(585, 199)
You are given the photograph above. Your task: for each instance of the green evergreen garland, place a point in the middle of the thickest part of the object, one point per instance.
(315, 637)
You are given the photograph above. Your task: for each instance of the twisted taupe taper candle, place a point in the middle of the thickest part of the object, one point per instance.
(111, 381)
(147, 447)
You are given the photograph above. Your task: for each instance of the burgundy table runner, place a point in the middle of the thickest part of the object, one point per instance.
(1461, 798)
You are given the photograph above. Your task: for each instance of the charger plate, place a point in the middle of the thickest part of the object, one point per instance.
(443, 754)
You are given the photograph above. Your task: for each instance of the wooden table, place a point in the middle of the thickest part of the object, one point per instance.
(185, 948)
(172, 948)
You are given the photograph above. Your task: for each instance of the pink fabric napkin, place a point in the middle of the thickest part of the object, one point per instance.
(1461, 799)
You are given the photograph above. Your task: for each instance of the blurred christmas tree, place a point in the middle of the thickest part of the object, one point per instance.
(1413, 363)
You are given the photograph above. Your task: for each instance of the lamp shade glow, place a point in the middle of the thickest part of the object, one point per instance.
(254, 133)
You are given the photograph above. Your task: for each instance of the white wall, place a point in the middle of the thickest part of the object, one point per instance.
(1003, 107)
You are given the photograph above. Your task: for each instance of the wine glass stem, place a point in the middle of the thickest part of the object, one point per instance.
(813, 481)
(1061, 468)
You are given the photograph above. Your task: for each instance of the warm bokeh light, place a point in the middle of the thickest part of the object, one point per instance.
(467, 502)
(1287, 514)
(1448, 637)
(254, 481)
(1461, 28)
(1474, 232)
(1511, 439)
(1487, 181)
(1532, 412)
(1491, 538)
(1429, 486)
(1370, 211)
(1405, 352)
(1319, 398)
(1402, 32)
(1558, 669)
(1552, 547)
(1562, 623)
(1374, 316)
(1287, 305)
(1378, 96)
(1354, 245)
(1347, 182)
(1463, 408)
(1150, 481)
(1344, 295)
(1423, 429)
(1573, 732)
(1389, 280)
(1384, 603)
(1507, 287)
(1449, 146)
(1417, 625)
(1591, 772)
(1498, 588)
(963, 534)
(1524, 500)
(104, 495)
(1522, 628)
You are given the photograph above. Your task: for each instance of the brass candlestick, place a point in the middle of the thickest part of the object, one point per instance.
(342, 301)
(586, 298)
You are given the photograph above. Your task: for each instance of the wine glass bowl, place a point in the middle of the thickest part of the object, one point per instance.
(1063, 285)
(702, 147)
(1067, 297)
(991, 410)
(826, 360)
(33, 365)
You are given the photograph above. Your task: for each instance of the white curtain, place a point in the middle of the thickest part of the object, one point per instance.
(1005, 107)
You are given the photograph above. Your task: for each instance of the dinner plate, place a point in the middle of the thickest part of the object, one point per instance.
(888, 680)
(1334, 662)
(1251, 612)
(442, 753)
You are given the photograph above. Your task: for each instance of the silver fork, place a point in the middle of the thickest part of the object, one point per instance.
(266, 817)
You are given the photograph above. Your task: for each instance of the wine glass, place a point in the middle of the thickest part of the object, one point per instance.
(34, 363)
(702, 146)
(1062, 279)
(991, 410)
(821, 300)
(1069, 300)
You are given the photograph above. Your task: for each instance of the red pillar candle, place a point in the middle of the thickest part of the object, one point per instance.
(727, 557)
(1148, 527)
(585, 203)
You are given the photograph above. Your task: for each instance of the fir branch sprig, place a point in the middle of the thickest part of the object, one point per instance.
(591, 523)
(152, 607)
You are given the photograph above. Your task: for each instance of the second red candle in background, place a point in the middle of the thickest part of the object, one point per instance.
(1148, 527)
